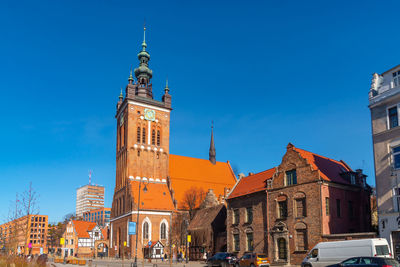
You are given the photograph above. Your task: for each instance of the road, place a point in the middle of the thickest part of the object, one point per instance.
(127, 263)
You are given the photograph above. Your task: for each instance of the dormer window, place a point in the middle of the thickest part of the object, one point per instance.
(291, 177)
(352, 179)
(396, 78)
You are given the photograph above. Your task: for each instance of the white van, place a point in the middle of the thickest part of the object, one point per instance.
(327, 253)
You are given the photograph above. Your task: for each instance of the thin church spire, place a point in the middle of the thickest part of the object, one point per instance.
(212, 153)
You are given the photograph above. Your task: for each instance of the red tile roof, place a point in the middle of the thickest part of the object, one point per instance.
(82, 228)
(329, 169)
(252, 184)
(187, 172)
(157, 196)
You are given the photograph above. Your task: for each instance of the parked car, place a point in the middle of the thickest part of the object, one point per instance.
(42, 259)
(327, 253)
(253, 260)
(367, 261)
(223, 259)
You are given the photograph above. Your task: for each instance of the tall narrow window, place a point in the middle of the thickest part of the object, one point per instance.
(338, 211)
(291, 177)
(327, 213)
(138, 135)
(282, 251)
(236, 217)
(396, 157)
(158, 138)
(249, 237)
(144, 135)
(300, 207)
(163, 231)
(249, 215)
(146, 230)
(351, 211)
(301, 240)
(282, 209)
(153, 137)
(396, 78)
(393, 117)
(236, 242)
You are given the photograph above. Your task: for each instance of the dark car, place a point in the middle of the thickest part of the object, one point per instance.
(223, 259)
(41, 260)
(368, 262)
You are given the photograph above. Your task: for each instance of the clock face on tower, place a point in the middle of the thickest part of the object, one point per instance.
(149, 114)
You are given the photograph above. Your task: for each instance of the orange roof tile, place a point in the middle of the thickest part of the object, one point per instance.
(157, 196)
(252, 184)
(82, 228)
(187, 172)
(329, 169)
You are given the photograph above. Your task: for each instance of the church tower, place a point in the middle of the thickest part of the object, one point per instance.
(142, 127)
(142, 155)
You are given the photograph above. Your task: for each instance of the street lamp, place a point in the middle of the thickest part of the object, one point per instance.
(137, 218)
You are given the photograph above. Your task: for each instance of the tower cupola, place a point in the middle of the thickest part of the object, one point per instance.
(143, 73)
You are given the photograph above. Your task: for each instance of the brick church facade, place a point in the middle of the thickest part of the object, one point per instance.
(146, 170)
(286, 210)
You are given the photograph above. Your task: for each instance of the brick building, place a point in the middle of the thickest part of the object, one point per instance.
(25, 235)
(146, 171)
(100, 216)
(80, 237)
(309, 198)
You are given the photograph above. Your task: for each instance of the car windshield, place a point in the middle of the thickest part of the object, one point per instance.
(262, 255)
(382, 250)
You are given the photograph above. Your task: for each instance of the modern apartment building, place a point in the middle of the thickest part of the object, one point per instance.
(89, 197)
(25, 235)
(100, 216)
(384, 103)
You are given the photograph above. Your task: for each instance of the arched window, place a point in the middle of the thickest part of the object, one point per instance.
(153, 137)
(138, 135)
(144, 135)
(163, 234)
(146, 230)
(158, 138)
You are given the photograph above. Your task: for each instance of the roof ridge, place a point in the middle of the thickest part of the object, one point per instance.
(197, 158)
(338, 161)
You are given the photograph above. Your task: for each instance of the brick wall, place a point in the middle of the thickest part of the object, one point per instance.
(258, 226)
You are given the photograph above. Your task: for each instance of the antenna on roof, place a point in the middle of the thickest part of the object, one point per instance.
(90, 177)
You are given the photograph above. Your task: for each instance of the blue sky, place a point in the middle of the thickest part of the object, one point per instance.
(266, 72)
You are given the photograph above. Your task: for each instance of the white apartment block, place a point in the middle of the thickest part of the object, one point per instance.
(384, 104)
(89, 197)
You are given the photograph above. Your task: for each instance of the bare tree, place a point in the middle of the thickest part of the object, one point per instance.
(192, 199)
(29, 207)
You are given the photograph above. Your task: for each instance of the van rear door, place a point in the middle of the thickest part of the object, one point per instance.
(382, 250)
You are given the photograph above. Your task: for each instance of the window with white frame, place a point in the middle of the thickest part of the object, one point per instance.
(396, 78)
(393, 117)
(396, 199)
(396, 157)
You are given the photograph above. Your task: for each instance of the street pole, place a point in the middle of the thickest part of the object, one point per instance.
(186, 253)
(137, 224)
(170, 242)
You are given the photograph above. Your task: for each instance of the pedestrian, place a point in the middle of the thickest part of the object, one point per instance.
(205, 256)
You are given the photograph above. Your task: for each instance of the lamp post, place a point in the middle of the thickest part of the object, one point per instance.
(137, 218)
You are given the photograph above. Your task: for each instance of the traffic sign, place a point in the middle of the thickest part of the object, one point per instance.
(132, 228)
(149, 243)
